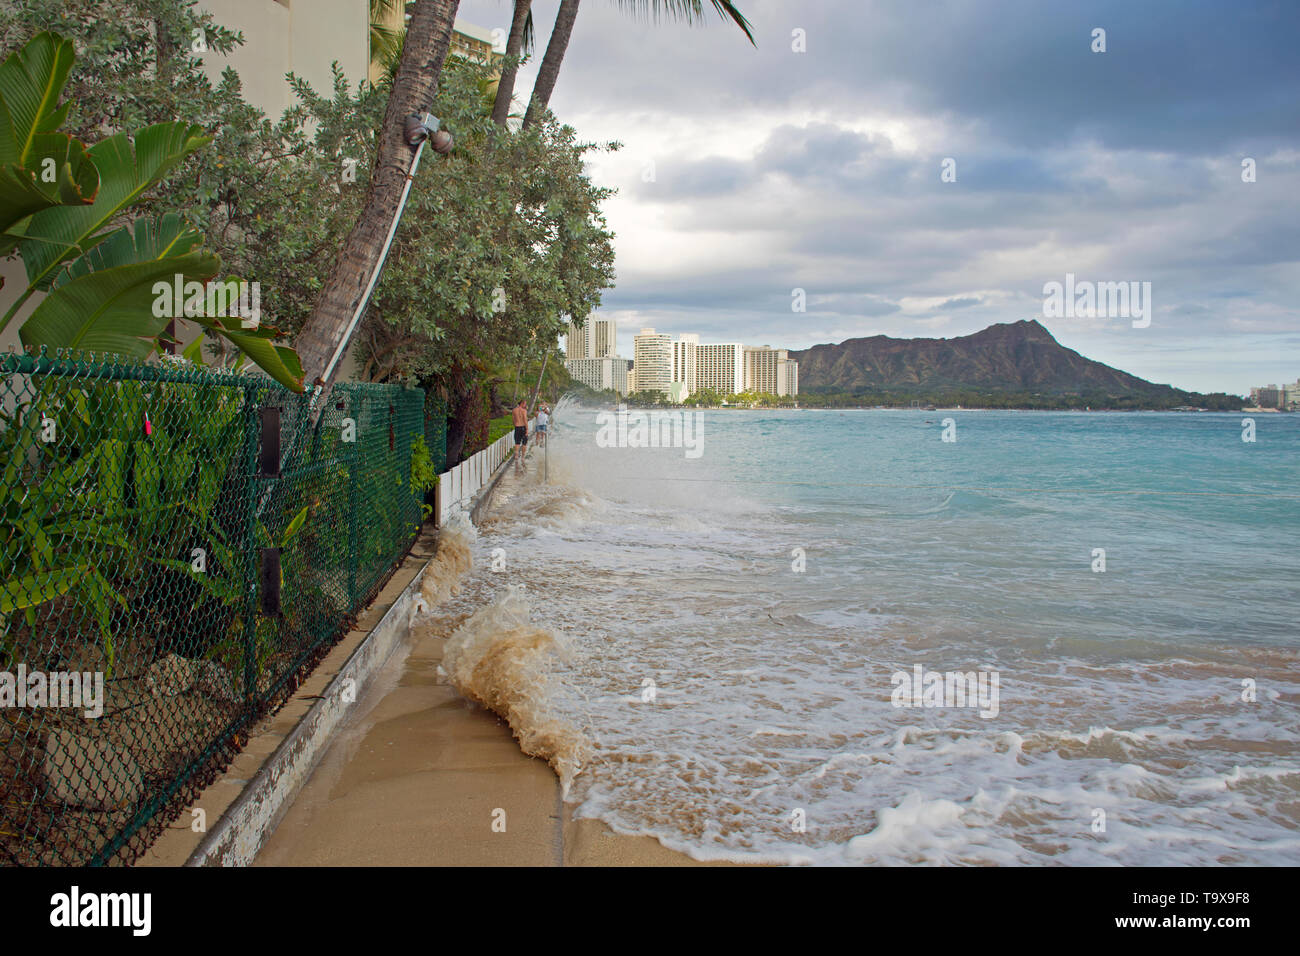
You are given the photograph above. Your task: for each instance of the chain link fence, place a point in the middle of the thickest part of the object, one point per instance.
(180, 547)
(435, 430)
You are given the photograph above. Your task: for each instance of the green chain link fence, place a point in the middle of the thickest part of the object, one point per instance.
(148, 538)
(435, 431)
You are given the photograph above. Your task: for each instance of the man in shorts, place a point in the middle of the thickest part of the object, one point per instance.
(520, 418)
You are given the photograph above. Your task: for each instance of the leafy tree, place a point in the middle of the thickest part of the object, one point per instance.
(70, 223)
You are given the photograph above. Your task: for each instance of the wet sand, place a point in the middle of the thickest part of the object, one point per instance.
(422, 777)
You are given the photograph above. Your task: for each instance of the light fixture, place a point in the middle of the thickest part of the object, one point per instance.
(417, 130)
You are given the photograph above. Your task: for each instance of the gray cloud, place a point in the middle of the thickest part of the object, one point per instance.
(1122, 165)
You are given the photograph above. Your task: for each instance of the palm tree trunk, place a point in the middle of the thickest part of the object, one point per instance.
(427, 40)
(515, 43)
(550, 70)
(540, 376)
(518, 371)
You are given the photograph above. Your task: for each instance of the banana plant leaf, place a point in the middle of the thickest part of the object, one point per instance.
(31, 80)
(105, 300)
(54, 236)
(39, 166)
(60, 175)
(278, 361)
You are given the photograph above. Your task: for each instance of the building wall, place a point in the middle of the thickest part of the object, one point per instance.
(299, 36)
(576, 342)
(685, 361)
(721, 367)
(604, 337)
(1270, 397)
(652, 355)
(787, 378)
(595, 338)
(761, 364)
(600, 373)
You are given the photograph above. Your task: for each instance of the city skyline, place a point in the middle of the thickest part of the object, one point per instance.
(675, 365)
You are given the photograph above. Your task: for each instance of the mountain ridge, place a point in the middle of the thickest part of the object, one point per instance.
(1018, 356)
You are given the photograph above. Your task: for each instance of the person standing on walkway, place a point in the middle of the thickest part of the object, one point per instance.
(520, 418)
(543, 420)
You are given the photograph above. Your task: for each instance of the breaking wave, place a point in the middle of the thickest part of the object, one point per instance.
(497, 658)
(453, 561)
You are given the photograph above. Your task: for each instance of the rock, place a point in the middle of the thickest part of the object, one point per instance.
(171, 676)
(212, 680)
(90, 772)
(85, 658)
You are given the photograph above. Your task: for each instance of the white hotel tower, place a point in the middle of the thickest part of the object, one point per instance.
(685, 366)
(589, 355)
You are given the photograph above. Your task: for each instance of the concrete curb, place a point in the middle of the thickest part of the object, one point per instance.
(238, 836)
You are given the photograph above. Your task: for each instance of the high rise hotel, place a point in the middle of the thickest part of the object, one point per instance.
(652, 357)
(677, 367)
(687, 365)
(589, 355)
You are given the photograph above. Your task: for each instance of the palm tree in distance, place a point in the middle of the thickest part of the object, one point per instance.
(386, 29)
(689, 10)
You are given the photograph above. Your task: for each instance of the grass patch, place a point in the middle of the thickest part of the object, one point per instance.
(500, 426)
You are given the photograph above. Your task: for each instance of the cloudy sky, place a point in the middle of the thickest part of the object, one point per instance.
(747, 173)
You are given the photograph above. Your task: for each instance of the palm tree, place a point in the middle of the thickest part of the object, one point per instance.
(385, 31)
(520, 28)
(428, 37)
(688, 10)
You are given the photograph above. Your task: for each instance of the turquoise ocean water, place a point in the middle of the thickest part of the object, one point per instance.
(734, 625)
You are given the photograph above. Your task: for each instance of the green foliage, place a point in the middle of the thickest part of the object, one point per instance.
(501, 242)
(423, 476)
(647, 398)
(505, 212)
(100, 275)
(103, 512)
(40, 168)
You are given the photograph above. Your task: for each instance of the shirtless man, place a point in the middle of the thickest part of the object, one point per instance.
(520, 418)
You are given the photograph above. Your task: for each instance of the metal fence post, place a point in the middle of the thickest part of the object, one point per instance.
(252, 482)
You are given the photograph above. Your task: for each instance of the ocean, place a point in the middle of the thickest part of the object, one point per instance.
(834, 637)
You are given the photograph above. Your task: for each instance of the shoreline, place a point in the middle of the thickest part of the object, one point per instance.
(935, 408)
(423, 777)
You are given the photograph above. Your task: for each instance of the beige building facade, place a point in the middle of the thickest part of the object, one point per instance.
(721, 367)
(652, 358)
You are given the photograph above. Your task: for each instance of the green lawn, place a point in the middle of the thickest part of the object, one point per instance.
(498, 427)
